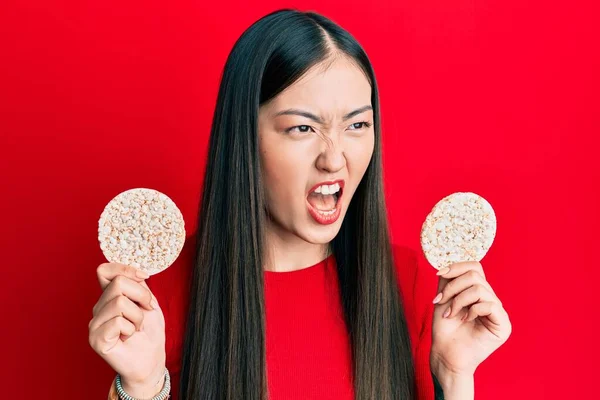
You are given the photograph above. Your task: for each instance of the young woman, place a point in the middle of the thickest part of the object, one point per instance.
(296, 291)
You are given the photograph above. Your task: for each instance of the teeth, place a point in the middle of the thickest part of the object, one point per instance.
(328, 189)
(327, 212)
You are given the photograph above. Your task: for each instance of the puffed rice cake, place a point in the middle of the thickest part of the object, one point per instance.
(142, 228)
(460, 227)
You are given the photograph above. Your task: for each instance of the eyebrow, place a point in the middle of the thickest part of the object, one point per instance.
(295, 111)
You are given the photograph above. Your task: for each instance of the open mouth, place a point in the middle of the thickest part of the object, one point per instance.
(324, 201)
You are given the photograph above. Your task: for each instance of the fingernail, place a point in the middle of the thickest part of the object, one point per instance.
(447, 312)
(464, 317)
(142, 274)
(437, 298)
(154, 303)
(443, 271)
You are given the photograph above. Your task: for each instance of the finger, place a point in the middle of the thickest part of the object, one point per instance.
(490, 309)
(459, 284)
(468, 297)
(119, 306)
(122, 285)
(459, 268)
(455, 270)
(107, 336)
(154, 301)
(106, 272)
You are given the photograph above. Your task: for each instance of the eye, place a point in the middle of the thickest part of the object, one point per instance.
(302, 129)
(359, 125)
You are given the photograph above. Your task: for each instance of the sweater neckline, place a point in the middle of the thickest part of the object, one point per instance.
(298, 273)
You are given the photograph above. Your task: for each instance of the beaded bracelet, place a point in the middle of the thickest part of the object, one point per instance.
(163, 395)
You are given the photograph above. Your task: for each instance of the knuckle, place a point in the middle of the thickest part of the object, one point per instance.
(103, 266)
(479, 269)
(109, 293)
(100, 269)
(137, 316)
(473, 274)
(480, 290)
(98, 306)
(119, 281)
(124, 325)
(120, 321)
(92, 341)
(476, 276)
(115, 322)
(120, 302)
(124, 269)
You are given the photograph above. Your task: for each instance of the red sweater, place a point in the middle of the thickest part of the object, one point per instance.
(308, 351)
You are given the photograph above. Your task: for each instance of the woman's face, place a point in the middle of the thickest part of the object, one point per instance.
(316, 139)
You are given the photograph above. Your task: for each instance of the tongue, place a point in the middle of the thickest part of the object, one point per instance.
(322, 202)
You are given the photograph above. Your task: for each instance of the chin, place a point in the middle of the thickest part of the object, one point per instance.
(321, 234)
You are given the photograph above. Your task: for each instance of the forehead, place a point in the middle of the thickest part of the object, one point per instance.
(331, 89)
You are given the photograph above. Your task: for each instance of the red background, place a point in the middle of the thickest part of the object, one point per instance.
(495, 97)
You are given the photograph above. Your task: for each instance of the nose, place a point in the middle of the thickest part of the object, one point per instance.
(332, 158)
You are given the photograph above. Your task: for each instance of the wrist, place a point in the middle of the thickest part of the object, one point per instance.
(147, 388)
(454, 385)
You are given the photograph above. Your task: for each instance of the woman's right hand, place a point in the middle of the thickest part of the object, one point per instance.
(128, 329)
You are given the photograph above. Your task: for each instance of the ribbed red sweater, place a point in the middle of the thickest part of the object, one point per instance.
(308, 352)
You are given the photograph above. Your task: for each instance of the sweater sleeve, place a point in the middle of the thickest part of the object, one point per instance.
(425, 289)
(171, 288)
(418, 285)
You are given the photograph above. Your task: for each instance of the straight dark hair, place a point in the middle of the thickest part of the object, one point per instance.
(224, 349)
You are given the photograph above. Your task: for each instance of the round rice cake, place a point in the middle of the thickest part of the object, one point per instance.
(142, 228)
(460, 227)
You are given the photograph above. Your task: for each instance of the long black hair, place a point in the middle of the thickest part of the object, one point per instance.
(224, 349)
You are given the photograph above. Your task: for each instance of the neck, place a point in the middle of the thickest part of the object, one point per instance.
(286, 252)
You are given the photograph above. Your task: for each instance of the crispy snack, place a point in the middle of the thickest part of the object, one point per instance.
(142, 228)
(461, 227)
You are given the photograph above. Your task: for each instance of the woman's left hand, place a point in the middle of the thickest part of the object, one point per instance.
(469, 322)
